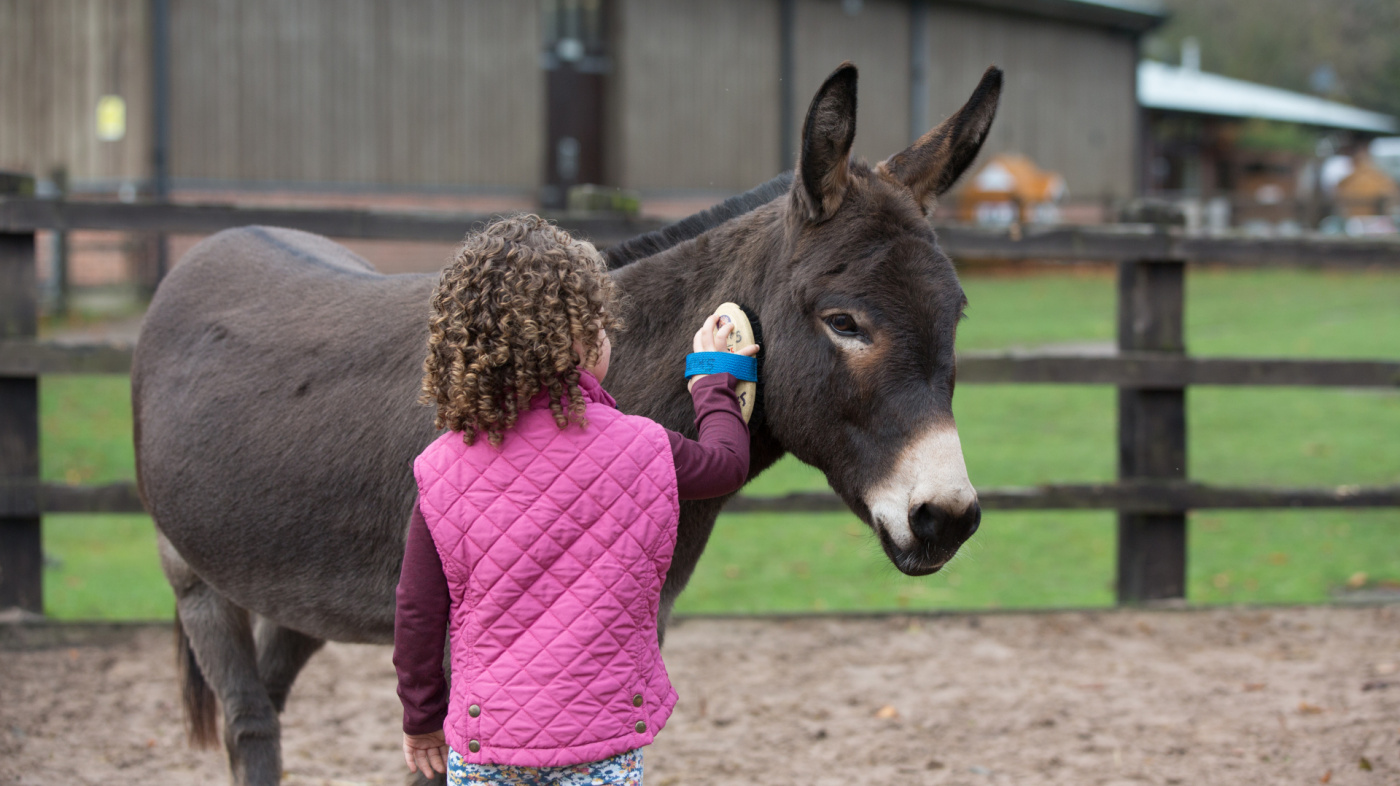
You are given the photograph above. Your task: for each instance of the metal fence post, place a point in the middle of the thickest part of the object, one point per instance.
(1151, 431)
(21, 555)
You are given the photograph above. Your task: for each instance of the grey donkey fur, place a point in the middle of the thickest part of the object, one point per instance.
(275, 380)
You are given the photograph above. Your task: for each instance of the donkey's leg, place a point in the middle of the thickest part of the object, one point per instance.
(220, 636)
(222, 640)
(282, 652)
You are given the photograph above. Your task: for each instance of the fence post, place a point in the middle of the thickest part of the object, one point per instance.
(21, 555)
(1151, 431)
(59, 270)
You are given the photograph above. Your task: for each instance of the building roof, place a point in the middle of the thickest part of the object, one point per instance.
(1135, 16)
(1162, 86)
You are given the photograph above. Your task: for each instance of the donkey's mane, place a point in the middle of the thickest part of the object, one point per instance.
(643, 246)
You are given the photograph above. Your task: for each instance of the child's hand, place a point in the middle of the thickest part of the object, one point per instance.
(426, 753)
(711, 337)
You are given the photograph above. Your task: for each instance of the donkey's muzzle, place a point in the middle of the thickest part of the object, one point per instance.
(942, 530)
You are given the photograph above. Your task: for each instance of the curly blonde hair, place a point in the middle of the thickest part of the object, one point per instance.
(506, 315)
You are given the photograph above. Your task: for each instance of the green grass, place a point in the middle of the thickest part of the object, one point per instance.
(758, 563)
(1293, 556)
(85, 429)
(105, 566)
(97, 566)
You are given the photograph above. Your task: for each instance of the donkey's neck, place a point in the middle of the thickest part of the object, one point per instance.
(669, 294)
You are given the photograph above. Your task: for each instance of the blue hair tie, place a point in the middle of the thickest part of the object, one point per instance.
(741, 366)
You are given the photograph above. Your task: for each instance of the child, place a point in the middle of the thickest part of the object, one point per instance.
(545, 523)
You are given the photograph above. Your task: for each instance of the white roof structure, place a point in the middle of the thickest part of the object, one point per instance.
(1136, 6)
(1385, 152)
(1134, 16)
(1162, 86)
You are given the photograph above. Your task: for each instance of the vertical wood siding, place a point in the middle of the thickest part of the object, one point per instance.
(57, 57)
(1070, 97)
(450, 93)
(694, 94)
(876, 39)
(419, 92)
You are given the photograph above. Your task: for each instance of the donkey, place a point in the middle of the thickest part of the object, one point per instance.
(274, 382)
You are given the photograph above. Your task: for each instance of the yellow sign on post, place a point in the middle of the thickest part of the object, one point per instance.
(111, 118)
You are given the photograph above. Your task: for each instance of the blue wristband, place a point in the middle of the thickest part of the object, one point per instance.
(741, 366)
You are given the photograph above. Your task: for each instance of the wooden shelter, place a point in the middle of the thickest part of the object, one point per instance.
(1249, 149)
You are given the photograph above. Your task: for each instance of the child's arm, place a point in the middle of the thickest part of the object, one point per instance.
(421, 613)
(718, 462)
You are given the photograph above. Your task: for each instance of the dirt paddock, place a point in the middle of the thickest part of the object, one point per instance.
(1230, 696)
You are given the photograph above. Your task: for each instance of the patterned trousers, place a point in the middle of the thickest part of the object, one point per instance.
(624, 769)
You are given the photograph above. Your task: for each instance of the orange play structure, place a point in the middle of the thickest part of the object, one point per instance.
(1367, 191)
(1011, 189)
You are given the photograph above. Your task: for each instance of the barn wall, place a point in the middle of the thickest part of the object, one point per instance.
(1070, 98)
(694, 94)
(695, 88)
(876, 39)
(56, 59)
(423, 92)
(450, 93)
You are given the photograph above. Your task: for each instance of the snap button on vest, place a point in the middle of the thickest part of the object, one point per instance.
(474, 710)
(637, 700)
(641, 726)
(474, 746)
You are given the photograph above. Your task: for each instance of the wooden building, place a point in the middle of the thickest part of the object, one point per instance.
(482, 95)
(57, 60)
(1232, 152)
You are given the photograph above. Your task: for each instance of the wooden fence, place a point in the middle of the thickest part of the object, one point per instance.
(1151, 370)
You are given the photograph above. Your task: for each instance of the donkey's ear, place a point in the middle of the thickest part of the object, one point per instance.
(823, 166)
(930, 166)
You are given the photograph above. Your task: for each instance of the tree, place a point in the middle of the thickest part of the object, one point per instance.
(1293, 43)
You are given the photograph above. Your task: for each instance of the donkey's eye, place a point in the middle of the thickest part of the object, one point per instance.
(843, 324)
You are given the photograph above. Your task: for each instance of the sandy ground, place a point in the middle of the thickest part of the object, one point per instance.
(1255, 696)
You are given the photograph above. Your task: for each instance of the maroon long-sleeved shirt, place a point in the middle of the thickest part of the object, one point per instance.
(715, 465)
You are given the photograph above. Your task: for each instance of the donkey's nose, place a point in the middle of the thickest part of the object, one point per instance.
(936, 524)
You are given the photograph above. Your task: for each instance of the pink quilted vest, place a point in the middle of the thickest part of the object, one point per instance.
(555, 546)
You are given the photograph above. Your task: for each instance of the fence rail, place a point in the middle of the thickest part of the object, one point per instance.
(1134, 369)
(30, 498)
(1116, 243)
(1150, 369)
(1113, 243)
(27, 215)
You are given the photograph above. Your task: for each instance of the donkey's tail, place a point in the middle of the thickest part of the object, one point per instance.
(201, 709)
